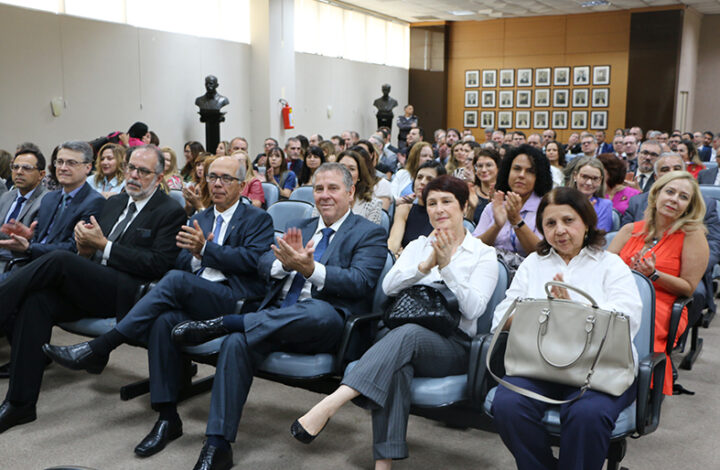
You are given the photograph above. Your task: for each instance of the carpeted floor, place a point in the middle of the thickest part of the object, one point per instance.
(82, 421)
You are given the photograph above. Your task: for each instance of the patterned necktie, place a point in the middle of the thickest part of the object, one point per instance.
(299, 280)
(120, 228)
(16, 210)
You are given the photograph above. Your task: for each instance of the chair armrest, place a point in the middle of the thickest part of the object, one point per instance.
(239, 306)
(483, 381)
(351, 324)
(675, 316)
(476, 368)
(650, 381)
(16, 261)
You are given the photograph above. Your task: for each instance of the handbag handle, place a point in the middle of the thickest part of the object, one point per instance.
(544, 319)
(573, 288)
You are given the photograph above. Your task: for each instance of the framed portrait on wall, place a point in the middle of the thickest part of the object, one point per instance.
(505, 119)
(523, 99)
(471, 99)
(601, 75)
(470, 119)
(489, 78)
(488, 99)
(540, 120)
(581, 75)
(561, 98)
(561, 76)
(487, 119)
(600, 97)
(542, 76)
(472, 78)
(522, 120)
(507, 77)
(580, 98)
(598, 120)
(578, 120)
(524, 77)
(542, 97)
(559, 119)
(505, 98)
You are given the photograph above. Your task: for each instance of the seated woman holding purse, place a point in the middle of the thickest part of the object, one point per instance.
(380, 381)
(571, 251)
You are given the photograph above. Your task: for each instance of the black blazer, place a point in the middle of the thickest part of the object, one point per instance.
(147, 249)
(85, 203)
(353, 263)
(249, 234)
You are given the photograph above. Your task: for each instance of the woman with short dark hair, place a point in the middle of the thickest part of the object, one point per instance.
(617, 191)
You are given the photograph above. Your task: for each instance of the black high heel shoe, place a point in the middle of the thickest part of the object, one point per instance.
(299, 432)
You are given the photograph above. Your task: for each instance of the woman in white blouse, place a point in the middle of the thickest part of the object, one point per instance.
(571, 251)
(380, 381)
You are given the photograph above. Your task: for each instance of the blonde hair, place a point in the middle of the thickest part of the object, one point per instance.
(592, 162)
(173, 170)
(119, 154)
(690, 220)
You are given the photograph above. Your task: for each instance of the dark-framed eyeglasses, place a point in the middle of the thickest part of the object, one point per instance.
(224, 179)
(129, 168)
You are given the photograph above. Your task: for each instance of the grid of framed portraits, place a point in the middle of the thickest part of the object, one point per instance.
(538, 98)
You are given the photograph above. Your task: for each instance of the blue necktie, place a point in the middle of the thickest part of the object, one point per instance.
(218, 226)
(16, 210)
(299, 280)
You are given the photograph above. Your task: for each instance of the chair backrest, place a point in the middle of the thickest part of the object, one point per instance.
(609, 238)
(303, 193)
(485, 321)
(710, 164)
(645, 337)
(710, 190)
(468, 224)
(385, 221)
(379, 296)
(272, 194)
(283, 212)
(177, 195)
(615, 220)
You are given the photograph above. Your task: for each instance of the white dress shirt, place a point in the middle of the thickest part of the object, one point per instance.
(317, 278)
(139, 205)
(603, 275)
(212, 274)
(471, 275)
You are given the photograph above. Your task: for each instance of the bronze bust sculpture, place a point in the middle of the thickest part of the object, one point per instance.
(211, 102)
(385, 105)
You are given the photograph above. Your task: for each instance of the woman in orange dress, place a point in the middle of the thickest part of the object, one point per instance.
(669, 247)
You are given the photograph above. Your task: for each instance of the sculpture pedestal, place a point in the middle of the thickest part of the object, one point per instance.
(384, 119)
(212, 120)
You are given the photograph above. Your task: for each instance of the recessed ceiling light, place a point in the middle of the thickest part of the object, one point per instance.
(462, 12)
(594, 3)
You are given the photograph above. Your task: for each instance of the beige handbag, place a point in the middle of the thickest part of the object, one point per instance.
(567, 342)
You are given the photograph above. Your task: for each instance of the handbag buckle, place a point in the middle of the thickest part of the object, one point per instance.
(589, 323)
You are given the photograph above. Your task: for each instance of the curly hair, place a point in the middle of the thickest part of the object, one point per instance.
(540, 166)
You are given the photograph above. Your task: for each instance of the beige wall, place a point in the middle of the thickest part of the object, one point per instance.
(706, 114)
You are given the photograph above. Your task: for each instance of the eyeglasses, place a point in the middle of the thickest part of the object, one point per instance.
(17, 167)
(645, 153)
(69, 163)
(589, 179)
(224, 179)
(141, 171)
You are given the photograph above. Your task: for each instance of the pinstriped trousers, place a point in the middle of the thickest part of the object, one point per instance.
(384, 373)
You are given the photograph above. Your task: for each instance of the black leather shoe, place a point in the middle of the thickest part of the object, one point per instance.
(163, 432)
(11, 415)
(5, 371)
(76, 357)
(214, 458)
(190, 333)
(299, 432)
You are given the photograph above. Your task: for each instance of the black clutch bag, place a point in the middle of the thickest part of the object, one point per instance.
(434, 307)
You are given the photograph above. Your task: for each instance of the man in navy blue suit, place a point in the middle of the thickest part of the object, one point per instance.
(221, 247)
(321, 272)
(60, 210)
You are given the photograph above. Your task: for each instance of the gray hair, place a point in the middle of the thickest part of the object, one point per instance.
(83, 148)
(160, 166)
(651, 142)
(334, 166)
(666, 155)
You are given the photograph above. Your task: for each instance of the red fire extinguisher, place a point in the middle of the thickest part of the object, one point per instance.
(287, 115)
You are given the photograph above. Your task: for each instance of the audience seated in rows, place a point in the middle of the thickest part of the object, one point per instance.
(486, 162)
(588, 177)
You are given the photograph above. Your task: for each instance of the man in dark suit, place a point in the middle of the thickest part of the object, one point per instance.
(649, 152)
(60, 210)
(636, 210)
(321, 272)
(705, 150)
(708, 176)
(21, 204)
(131, 243)
(217, 265)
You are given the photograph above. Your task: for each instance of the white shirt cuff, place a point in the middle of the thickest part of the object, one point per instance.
(317, 278)
(277, 271)
(106, 252)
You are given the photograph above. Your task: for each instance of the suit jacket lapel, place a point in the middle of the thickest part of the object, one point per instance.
(35, 195)
(116, 206)
(53, 202)
(236, 218)
(7, 204)
(339, 237)
(72, 208)
(144, 213)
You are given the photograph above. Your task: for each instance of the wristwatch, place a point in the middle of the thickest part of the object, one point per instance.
(519, 224)
(654, 276)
